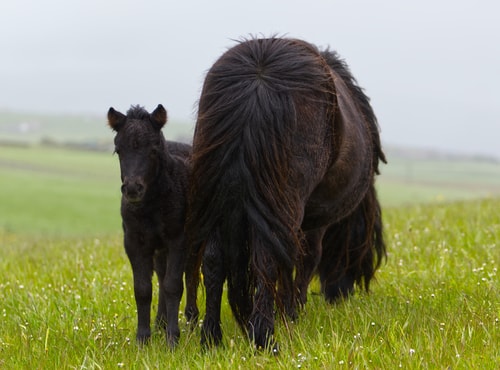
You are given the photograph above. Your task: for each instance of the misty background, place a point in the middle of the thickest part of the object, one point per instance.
(431, 68)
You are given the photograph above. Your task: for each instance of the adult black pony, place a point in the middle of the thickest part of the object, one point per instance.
(155, 176)
(285, 151)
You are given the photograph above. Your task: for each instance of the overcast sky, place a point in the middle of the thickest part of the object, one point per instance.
(431, 68)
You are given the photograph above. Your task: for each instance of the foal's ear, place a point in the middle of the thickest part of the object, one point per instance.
(159, 117)
(116, 119)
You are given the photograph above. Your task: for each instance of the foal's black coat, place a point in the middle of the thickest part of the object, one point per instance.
(154, 175)
(285, 151)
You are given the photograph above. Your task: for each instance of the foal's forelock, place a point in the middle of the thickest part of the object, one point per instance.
(142, 151)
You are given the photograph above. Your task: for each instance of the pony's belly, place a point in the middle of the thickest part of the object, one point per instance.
(324, 214)
(330, 203)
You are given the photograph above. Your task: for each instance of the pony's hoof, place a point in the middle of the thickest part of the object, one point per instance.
(172, 341)
(191, 314)
(292, 313)
(161, 323)
(272, 348)
(275, 350)
(211, 339)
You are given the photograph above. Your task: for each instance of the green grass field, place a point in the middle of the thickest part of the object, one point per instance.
(53, 191)
(66, 285)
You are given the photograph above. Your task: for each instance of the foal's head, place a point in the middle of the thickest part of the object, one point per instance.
(139, 144)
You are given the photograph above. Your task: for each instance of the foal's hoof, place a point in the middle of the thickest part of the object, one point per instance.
(143, 336)
(142, 339)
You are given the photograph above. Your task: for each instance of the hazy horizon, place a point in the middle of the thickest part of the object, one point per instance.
(430, 68)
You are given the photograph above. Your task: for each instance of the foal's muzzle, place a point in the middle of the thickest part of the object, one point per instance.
(133, 189)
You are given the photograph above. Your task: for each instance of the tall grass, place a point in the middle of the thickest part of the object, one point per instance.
(68, 303)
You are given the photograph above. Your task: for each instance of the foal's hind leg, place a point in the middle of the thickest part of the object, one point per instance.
(160, 266)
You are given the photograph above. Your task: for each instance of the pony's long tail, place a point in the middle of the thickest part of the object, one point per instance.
(239, 278)
(353, 249)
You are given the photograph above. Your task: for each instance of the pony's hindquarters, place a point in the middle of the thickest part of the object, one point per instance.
(263, 141)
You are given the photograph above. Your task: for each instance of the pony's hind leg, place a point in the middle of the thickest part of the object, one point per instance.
(261, 322)
(214, 274)
(339, 288)
(336, 268)
(352, 250)
(287, 296)
(308, 263)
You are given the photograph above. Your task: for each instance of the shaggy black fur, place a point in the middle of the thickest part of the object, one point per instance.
(285, 151)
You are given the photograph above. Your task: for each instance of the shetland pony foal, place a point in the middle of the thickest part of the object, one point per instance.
(154, 175)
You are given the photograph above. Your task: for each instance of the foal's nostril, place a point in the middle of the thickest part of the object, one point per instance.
(123, 189)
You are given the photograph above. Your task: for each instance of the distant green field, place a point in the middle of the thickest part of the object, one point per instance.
(34, 128)
(410, 181)
(59, 191)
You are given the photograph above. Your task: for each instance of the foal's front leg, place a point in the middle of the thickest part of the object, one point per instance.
(142, 269)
